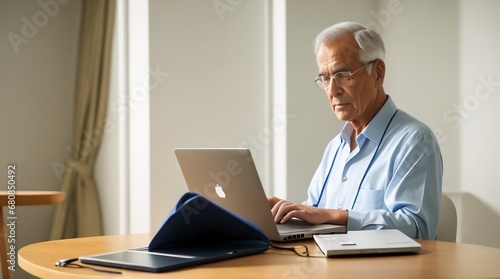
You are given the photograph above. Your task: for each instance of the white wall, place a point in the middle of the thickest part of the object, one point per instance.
(479, 98)
(36, 103)
(215, 94)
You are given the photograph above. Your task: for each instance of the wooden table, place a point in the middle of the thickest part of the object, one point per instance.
(438, 259)
(11, 200)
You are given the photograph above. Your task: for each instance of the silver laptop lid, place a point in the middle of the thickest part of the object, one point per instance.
(229, 178)
(366, 242)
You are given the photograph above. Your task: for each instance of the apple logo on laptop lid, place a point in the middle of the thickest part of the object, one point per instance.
(220, 191)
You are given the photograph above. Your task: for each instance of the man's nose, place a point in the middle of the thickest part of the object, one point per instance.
(333, 89)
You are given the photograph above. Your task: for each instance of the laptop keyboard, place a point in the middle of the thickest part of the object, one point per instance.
(293, 225)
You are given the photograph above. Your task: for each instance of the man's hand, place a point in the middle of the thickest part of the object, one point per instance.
(283, 211)
(272, 200)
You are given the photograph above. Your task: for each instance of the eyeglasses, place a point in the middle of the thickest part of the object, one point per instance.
(342, 79)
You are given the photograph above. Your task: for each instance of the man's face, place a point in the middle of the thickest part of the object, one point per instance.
(353, 102)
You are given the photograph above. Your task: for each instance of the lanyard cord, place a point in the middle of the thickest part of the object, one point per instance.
(366, 171)
(328, 175)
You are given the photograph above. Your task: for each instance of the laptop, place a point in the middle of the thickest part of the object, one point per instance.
(168, 259)
(228, 177)
(366, 242)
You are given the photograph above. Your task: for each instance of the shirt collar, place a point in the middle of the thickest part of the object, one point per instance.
(375, 129)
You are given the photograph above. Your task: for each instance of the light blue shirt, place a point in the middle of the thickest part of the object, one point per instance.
(402, 181)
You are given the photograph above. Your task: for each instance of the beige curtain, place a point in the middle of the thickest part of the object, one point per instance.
(80, 215)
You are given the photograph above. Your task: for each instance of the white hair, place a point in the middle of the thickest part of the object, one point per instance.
(370, 43)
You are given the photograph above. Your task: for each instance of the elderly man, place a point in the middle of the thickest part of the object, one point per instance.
(384, 169)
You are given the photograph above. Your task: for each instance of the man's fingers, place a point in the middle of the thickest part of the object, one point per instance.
(276, 209)
(284, 211)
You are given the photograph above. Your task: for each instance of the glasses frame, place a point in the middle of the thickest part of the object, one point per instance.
(324, 81)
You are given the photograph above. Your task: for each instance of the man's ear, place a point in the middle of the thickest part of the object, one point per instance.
(378, 69)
